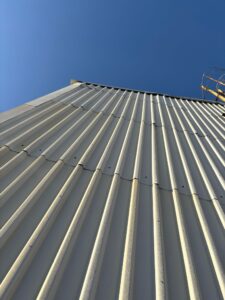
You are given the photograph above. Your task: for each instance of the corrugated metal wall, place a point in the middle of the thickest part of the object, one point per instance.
(113, 194)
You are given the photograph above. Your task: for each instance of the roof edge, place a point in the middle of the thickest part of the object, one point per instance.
(153, 93)
(15, 111)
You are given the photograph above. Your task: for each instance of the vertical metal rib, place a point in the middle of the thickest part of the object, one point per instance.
(126, 282)
(121, 159)
(184, 242)
(159, 260)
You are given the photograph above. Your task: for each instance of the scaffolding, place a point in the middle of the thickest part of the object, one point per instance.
(213, 82)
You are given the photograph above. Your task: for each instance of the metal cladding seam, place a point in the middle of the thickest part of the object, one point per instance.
(113, 194)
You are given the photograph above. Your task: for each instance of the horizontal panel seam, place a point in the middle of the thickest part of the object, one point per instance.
(130, 179)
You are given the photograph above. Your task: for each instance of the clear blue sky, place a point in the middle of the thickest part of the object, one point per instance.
(155, 45)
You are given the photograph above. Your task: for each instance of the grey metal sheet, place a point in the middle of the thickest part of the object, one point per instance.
(109, 193)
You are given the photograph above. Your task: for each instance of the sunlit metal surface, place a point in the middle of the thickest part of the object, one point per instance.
(112, 194)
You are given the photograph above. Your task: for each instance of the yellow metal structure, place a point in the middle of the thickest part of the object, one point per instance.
(217, 94)
(72, 81)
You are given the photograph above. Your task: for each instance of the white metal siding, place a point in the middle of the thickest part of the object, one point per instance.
(113, 194)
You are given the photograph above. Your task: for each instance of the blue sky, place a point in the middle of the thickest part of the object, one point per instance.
(155, 45)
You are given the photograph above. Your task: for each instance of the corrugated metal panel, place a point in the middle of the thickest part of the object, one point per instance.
(113, 194)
